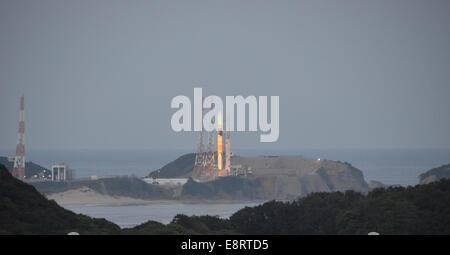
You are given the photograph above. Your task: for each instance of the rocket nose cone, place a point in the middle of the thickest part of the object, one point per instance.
(219, 120)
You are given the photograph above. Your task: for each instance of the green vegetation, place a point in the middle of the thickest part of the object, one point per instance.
(181, 167)
(422, 209)
(274, 177)
(184, 225)
(31, 168)
(23, 210)
(117, 186)
(226, 188)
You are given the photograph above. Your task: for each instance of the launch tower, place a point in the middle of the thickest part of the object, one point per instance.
(19, 159)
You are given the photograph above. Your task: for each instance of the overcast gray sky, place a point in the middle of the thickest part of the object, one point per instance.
(350, 74)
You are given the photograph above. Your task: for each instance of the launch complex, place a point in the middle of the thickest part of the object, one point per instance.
(209, 164)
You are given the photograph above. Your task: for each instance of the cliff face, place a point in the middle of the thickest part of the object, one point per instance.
(376, 184)
(281, 178)
(290, 177)
(435, 174)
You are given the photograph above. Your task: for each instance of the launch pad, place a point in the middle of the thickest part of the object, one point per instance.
(209, 164)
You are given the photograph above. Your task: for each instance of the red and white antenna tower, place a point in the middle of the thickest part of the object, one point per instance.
(19, 160)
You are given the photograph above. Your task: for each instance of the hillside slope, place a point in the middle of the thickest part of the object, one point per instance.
(31, 168)
(23, 210)
(280, 178)
(290, 177)
(179, 168)
(435, 174)
(227, 188)
(422, 209)
(117, 186)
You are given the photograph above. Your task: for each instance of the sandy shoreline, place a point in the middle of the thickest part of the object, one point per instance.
(85, 196)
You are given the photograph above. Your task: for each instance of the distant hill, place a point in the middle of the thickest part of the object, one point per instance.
(435, 174)
(23, 210)
(118, 186)
(376, 184)
(272, 178)
(31, 168)
(179, 168)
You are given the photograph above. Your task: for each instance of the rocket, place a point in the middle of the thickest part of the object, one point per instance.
(227, 153)
(219, 144)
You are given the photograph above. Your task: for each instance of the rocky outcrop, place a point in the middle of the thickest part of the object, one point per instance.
(376, 184)
(435, 174)
(290, 177)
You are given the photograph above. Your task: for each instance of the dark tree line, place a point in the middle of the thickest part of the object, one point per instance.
(23, 210)
(423, 209)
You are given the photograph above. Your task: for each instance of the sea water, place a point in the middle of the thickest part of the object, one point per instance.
(131, 215)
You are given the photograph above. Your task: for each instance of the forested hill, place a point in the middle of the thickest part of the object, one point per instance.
(422, 209)
(283, 178)
(23, 210)
(180, 167)
(31, 168)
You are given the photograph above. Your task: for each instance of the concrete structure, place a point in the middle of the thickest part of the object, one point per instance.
(166, 181)
(61, 172)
